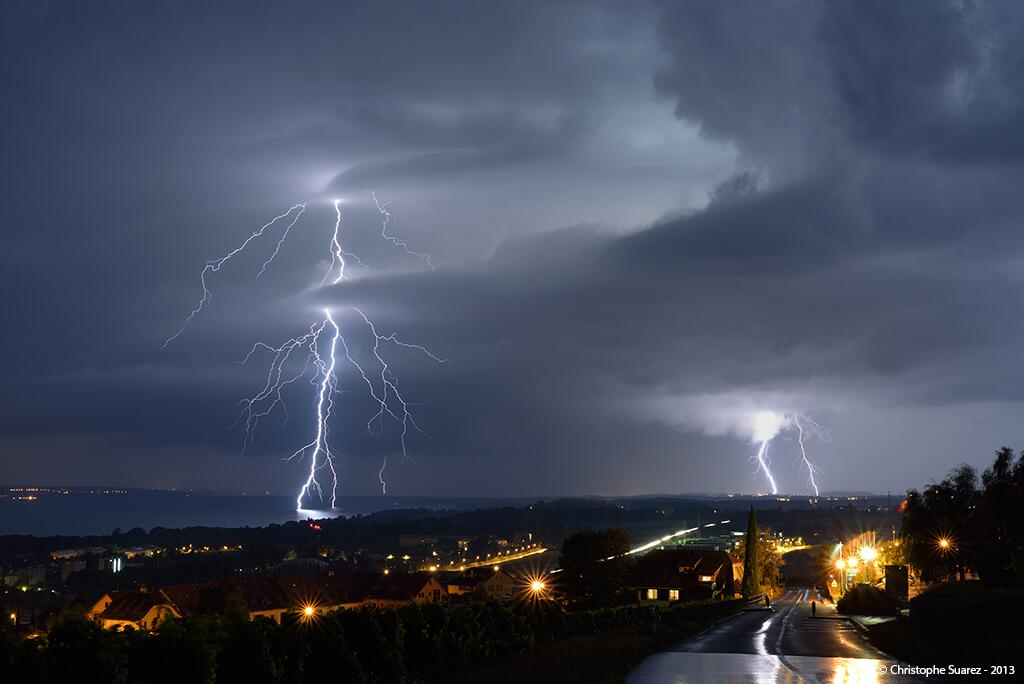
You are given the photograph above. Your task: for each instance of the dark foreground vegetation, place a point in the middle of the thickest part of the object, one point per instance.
(965, 537)
(960, 622)
(491, 642)
(962, 524)
(864, 599)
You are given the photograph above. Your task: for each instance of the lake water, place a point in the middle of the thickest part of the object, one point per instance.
(79, 513)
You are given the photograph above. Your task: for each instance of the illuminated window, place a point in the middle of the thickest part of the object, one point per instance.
(652, 594)
(673, 594)
(707, 578)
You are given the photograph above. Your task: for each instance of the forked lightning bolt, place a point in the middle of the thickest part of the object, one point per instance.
(382, 207)
(286, 369)
(324, 404)
(766, 425)
(214, 265)
(390, 382)
(811, 469)
(763, 462)
(267, 399)
(337, 253)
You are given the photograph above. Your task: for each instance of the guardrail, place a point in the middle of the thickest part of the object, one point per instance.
(755, 599)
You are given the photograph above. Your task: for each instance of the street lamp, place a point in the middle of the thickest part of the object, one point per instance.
(536, 588)
(841, 567)
(868, 554)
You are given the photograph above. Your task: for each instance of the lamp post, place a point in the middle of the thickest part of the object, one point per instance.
(841, 567)
(868, 554)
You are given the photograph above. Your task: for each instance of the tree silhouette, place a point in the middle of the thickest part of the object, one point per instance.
(954, 524)
(595, 565)
(751, 567)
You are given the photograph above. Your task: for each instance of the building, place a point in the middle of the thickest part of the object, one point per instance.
(69, 567)
(141, 610)
(484, 582)
(400, 588)
(327, 593)
(29, 576)
(683, 575)
(265, 598)
(271, 597)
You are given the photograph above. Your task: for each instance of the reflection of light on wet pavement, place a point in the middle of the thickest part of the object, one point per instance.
(845, 670)
(761, 637)
(737, 650)
(733, 668)
(724, 668)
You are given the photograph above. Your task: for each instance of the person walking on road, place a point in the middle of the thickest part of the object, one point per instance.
(767, 603)
(814, 609)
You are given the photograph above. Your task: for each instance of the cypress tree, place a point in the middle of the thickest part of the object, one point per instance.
(751, 569)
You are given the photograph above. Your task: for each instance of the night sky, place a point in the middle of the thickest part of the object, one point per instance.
(652, 221)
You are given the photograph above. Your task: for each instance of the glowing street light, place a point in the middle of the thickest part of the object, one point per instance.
(868, 554)
(840, 564)
(944, 543)
(308, 612)
(536, 588)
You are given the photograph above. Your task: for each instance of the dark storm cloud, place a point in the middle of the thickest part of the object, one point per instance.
(808, 78)
(848, 246)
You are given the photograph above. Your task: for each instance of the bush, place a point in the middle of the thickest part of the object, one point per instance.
(968, 618)
(864, 599)
(429, 643)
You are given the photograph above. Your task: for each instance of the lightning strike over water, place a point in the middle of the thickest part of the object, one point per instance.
(320, 444)
(282, 373)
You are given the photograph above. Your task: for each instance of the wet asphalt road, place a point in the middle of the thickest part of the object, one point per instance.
(784, 644)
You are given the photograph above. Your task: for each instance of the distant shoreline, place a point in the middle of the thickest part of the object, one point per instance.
(96, 511)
